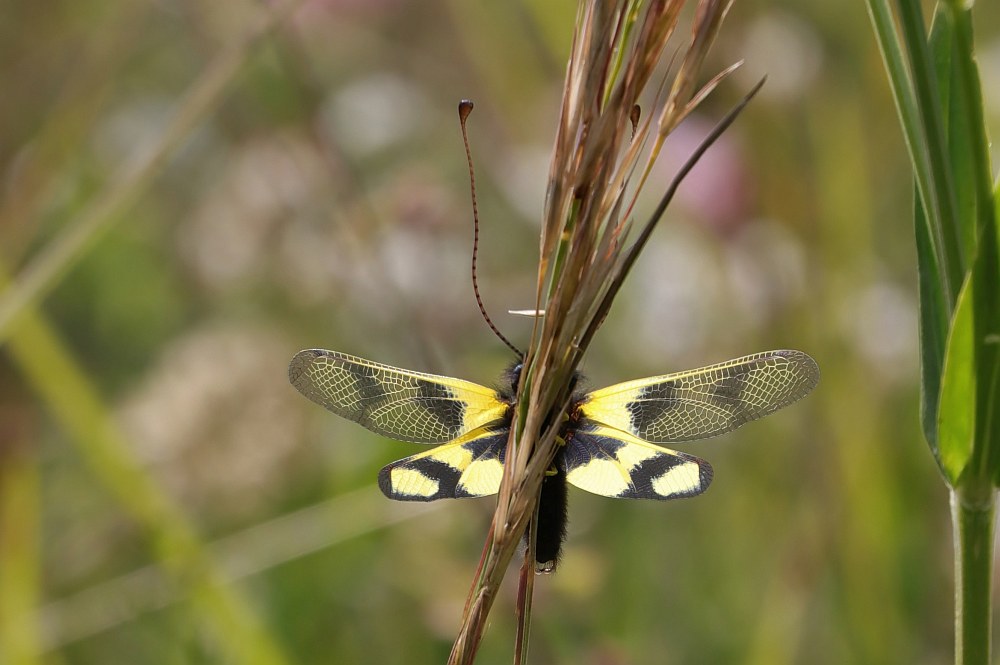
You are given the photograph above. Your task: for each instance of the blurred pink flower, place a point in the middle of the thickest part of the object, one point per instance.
(717, 192)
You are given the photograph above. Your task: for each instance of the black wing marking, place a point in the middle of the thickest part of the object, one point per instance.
(471, 466)
(397, 403)
(611, 463)
(704, 402)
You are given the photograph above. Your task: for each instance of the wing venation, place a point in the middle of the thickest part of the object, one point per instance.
(397, 403)
(704, 402)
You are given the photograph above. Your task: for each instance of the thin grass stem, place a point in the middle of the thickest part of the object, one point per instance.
(67, 392)
(42, 274)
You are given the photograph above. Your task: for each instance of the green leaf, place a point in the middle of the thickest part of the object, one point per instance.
(940, 42)
(938, 193)
(990, 395)
(934, 310)
(933, 328)
(969, 153)
(968, 431)
(956, 409)
(954, 114)
(914, 104)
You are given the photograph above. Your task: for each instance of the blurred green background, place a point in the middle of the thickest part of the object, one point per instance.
(167, 497)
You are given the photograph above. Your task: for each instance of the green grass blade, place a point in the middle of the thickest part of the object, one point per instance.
(969, 436)
(982, 224)
(972, 120)
(987, 273)
(933, 269)
(934, 304)
(954, 112)
(105, 210)
(969, 391)
(65, 389)
(940, 190)
(970, 165)
(933, 329)
(986, 330)
(20, 552)
(993, 443)
(907, 107)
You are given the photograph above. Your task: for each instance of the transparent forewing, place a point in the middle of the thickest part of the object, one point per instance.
(393, 402)
(609, 462)
(470, 466)
(704, 402)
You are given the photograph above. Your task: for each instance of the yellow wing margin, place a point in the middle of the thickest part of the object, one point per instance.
(397, 403)
(705, 402)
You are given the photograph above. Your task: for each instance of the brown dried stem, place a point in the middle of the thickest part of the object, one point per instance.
(617, 49)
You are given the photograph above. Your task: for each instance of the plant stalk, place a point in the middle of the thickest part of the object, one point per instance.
(973, 520)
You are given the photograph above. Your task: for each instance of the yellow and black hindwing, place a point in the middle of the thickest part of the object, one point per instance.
(610, 436)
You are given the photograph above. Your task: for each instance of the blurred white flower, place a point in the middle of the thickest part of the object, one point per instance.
(375, 112)
(786, 49)
(129, 132)
(673, 292)
(766, 269)
(880, 320)
(264, 186)
(216, 419)
(690, 294)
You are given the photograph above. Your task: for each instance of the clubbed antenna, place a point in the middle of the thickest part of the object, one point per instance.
(464, 109)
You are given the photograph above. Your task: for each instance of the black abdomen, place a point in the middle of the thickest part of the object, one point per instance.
(551, 518)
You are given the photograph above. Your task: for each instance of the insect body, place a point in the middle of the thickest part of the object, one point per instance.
(610, 436)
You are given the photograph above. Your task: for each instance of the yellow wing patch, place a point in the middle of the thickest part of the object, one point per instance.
(704, 402)
(394, 402)
(609, 450)
(470, 466)
(605, 461)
